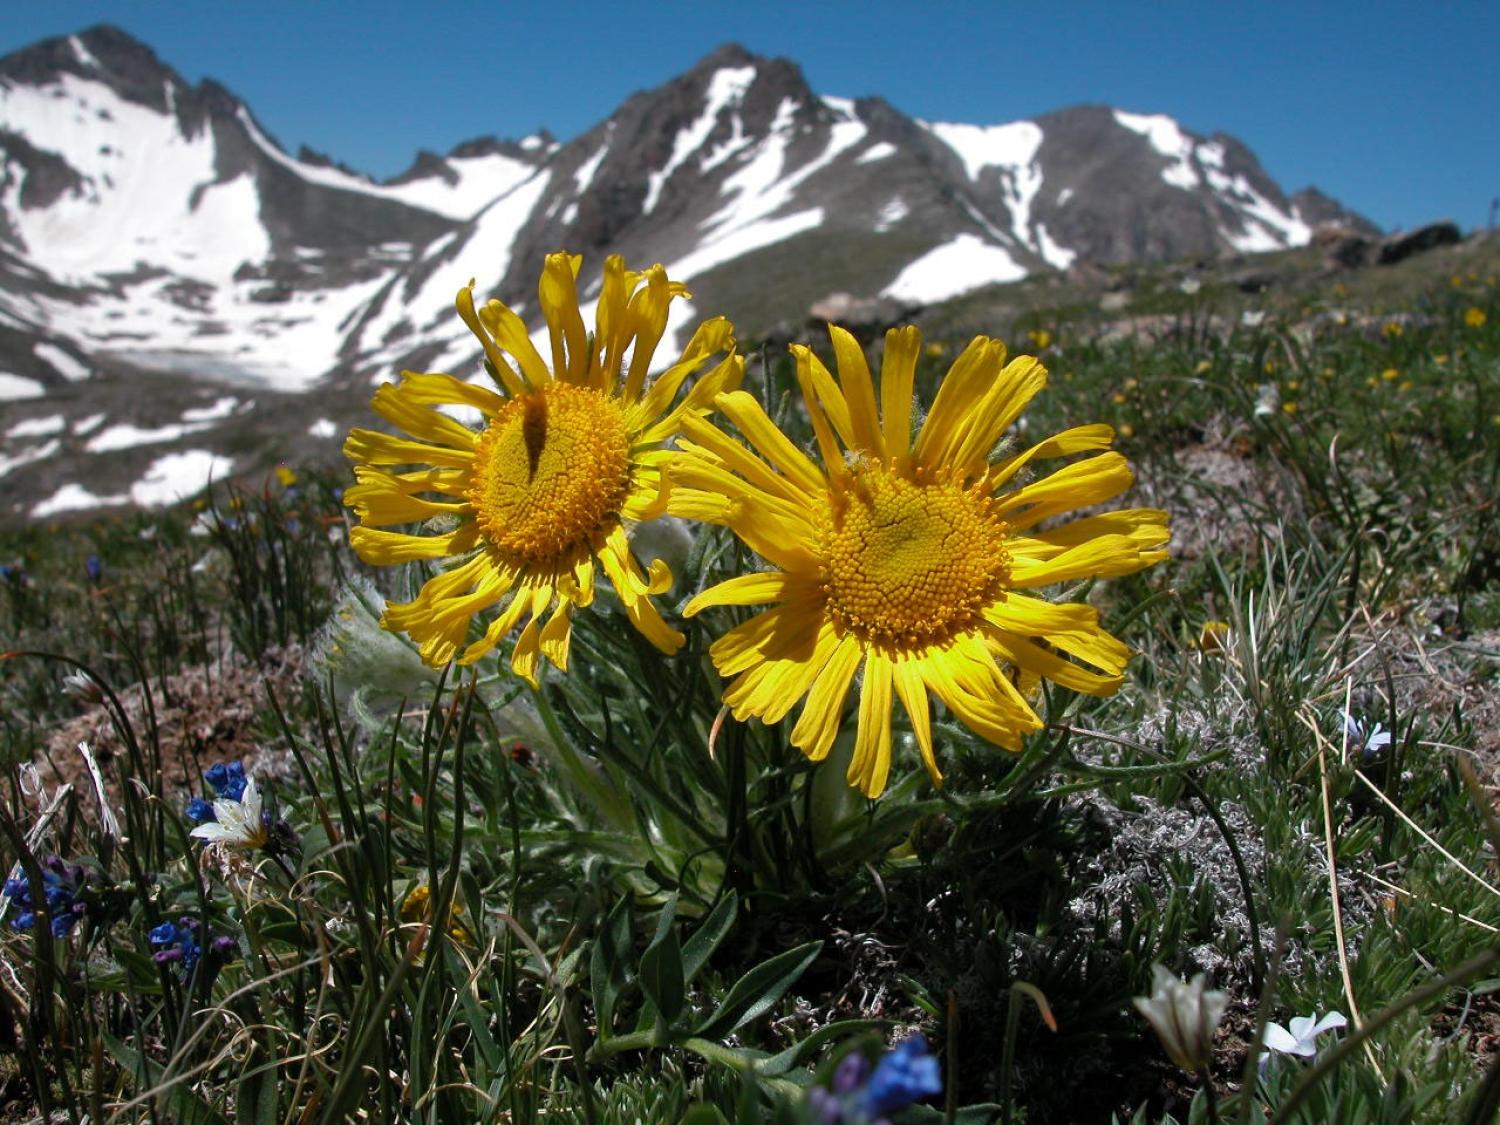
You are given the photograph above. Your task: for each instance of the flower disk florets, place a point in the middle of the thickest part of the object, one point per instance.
(906, 562)
(551, 472)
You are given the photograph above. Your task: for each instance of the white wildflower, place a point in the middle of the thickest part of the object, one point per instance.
(1184, 1015)
(236, 824)
(1298, 1037)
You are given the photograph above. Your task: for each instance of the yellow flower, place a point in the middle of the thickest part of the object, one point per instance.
(1213, 637)
(569, 457)
(908, 557)
(1474, 317)
(1390, 374)
(1126, 430)
(937, 349)
(285, 477)
(1289, 408)
(1040, 338)
(1393, 329)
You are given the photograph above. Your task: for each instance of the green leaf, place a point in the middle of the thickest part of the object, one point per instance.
(755, 992)
(980, 1114)
(609, 965)
(797, 1053)
(661, 976)
(186, 1107)
(661, 966)
(702, 1114)
(706, 938)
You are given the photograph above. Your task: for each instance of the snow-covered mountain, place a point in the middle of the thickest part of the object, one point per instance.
(171, 279)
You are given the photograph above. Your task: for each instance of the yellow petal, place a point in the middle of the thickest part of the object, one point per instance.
(912, 689)
(383, 548)
(859, 392)
(1025, 655)
(510, 333)
(770, 688)
(1080, 439)
(1104, 556)
(825, 405)
(1090, 481)
(821, 714)
(760, 588)
(898, 372)
(371, 447)
(871, 764)
(557, 293)
(972, 373)
(500, 365)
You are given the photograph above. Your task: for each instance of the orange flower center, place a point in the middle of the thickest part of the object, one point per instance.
(908, 563)
(551, 471)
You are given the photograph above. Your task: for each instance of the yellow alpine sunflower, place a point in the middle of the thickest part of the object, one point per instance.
(907, 556)
(568, 457)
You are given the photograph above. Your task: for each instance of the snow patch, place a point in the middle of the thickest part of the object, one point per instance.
(28, 456)
(585, 174)
(965, 263)
(891, 214)
(88, 425)
(124, 435)
(176, 476)
(1167, 138)
(18, 386)
(38, 427)
(1013, 145)
(1263, 225)
(323, 428)
(82, 53)
(74, 498)
(1052, 253)
(62, 362)
(221, 408)
(726, 88)
(877, 151)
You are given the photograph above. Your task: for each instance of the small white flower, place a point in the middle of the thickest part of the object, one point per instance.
(1297, 1038)
(1190, 285)
(237, 824)
(1368, 740)
(1267, 400)
(1253, 318)
(1184, 1015)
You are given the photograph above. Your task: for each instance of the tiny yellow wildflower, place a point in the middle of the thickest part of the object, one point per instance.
(1474, 317)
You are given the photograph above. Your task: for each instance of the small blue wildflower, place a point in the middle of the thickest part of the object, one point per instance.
(199, 811)
(863, 1095)
(228, 780)
(94, 568)
(179, 944)
(906, 1074)
(59, 897)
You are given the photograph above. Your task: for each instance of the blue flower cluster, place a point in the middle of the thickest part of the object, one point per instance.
(862, 1095)
(59, 898)
(228, 782)
(179, 943)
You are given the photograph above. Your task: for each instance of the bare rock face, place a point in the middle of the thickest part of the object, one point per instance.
(1343, 247)
(1403, 244)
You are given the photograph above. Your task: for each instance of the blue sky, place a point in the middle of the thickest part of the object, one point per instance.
(1393, 108)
